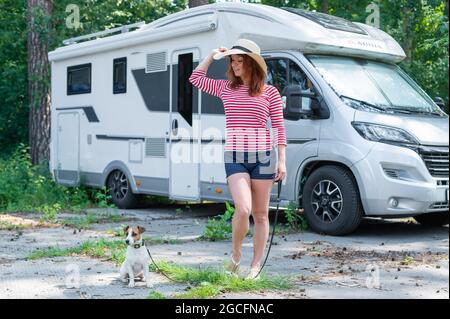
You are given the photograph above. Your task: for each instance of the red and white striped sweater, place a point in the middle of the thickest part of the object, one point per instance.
(246, 117)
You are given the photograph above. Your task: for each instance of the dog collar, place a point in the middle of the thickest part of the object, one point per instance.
(137, 245)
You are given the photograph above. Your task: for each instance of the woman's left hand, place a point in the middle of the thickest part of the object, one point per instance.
(281, 171)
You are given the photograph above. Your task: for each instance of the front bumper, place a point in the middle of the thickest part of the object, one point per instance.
(394, 181)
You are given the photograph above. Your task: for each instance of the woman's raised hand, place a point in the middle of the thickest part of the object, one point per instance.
(219, 50)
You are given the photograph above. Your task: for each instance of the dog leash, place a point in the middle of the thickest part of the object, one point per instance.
(268, 251)
(159, 269)
(273, 230)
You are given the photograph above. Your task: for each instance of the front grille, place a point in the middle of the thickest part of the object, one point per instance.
(439, 205)
(436, 160)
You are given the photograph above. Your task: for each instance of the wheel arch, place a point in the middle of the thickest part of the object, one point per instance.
(118, 165)
(309, 167)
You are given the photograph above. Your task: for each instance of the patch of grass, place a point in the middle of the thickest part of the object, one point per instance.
(295, 220)
(408, 260)
(202, 283)
(50, 212)
(13, 227)
(219, 228)
(156, 295)
(208, 283)
(30, 188)
(111, 250)
(86, 220)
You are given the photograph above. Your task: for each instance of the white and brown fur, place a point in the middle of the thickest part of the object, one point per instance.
(136, 260)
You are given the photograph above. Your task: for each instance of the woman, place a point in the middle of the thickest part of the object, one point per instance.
(250, 157)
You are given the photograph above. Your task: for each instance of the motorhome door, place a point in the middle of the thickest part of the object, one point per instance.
(184, 128)
(68, 148)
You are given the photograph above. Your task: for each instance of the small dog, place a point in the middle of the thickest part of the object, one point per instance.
(136, 260)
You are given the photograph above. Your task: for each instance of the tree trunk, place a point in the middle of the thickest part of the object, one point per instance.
(407, 28)
(197, 3)
(39, 13)
(324, 6)
(446, 8)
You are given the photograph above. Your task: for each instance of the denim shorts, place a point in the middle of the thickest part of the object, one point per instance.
(258, 164)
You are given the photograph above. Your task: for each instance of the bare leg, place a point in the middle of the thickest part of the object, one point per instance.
(260, 211)
(239, 185)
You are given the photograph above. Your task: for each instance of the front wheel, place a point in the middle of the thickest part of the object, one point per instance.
(331, 201)
(120, 190)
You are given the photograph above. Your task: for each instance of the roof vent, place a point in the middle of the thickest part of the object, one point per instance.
(328, 21)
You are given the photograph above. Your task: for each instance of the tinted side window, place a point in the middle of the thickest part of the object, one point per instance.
(277, 70)
(283, 72)
(79, 79)
(120, 75)
(296, 75)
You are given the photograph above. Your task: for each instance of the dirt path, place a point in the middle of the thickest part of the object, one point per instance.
(383, 259)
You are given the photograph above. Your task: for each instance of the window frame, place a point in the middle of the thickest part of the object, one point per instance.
(73, 68)
(117, 61)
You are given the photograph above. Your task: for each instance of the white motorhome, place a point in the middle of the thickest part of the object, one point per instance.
(363, 138)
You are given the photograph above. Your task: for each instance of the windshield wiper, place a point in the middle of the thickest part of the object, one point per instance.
(413, 111)
(364, 103)
(399, 110)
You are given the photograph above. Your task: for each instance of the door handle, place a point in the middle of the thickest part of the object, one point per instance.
(175, 127)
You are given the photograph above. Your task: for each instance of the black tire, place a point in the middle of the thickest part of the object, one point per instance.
(119, 188)
(433, 219)
(331, 201)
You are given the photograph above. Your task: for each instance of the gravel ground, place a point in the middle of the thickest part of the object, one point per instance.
(382, 259)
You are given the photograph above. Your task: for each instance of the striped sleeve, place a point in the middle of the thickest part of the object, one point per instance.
(276, 115)
(211, 86)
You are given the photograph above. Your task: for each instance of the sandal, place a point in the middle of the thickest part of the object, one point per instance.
(254, 274)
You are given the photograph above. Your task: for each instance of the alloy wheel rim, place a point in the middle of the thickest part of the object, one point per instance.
(119, 185)
(327, 201)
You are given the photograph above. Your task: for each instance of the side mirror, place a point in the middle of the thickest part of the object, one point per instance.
(440, 102)
(296, 98)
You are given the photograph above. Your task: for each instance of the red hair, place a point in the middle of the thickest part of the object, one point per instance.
(257, 76)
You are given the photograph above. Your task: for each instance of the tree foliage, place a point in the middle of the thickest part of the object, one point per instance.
(420, 26)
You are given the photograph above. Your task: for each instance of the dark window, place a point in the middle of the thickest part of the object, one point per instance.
(120, 76)
(184, 86)
(277, 70)
(283, 72)
(79, 79)
(297, 76)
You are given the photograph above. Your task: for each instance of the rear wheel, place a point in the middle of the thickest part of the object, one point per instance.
(120, 190)
(331, 201)
(433, 219)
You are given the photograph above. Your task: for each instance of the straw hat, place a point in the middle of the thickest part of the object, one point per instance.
(244, 46)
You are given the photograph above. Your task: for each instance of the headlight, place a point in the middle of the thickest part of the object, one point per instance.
(385, 134)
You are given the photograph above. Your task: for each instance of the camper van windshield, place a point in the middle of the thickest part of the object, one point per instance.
(379, 86)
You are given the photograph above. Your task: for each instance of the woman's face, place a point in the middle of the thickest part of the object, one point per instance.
(237, 64)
